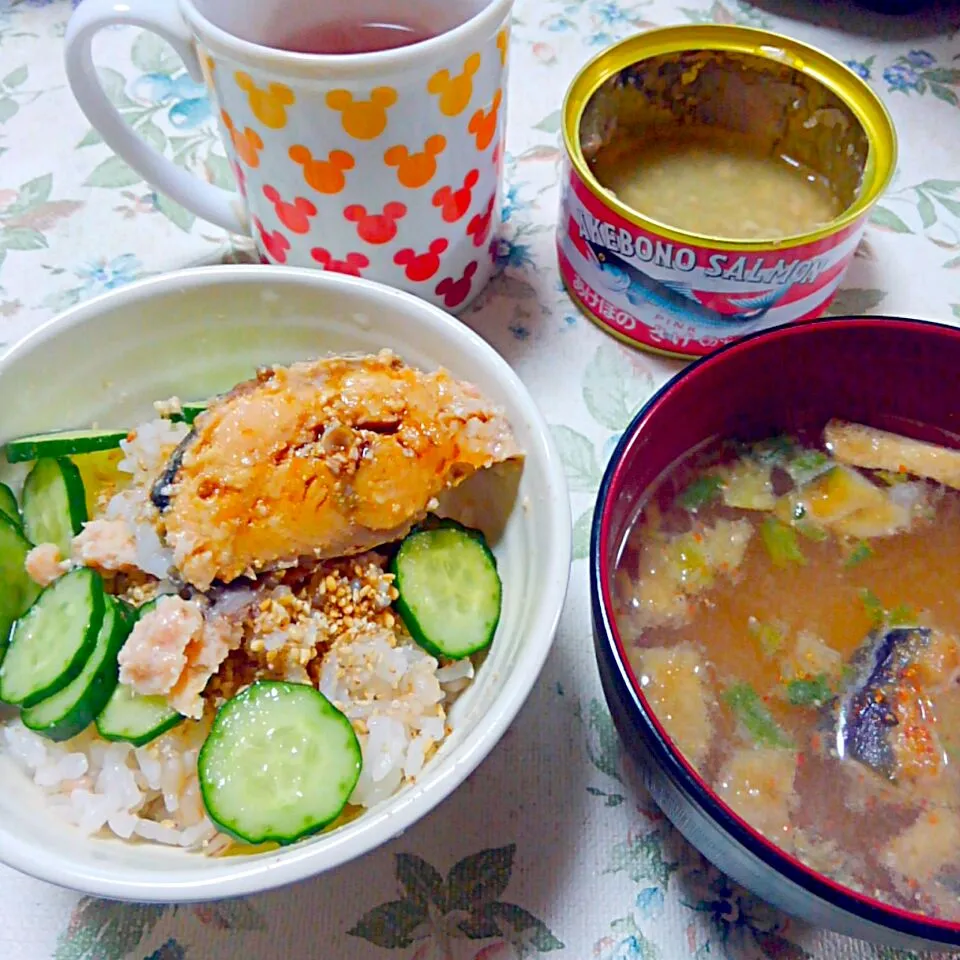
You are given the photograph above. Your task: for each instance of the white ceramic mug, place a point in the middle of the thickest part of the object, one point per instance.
(385, 165)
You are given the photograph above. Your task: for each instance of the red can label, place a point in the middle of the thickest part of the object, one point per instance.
(684, 298)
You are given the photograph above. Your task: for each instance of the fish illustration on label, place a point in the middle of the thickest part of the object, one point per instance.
(624, 278)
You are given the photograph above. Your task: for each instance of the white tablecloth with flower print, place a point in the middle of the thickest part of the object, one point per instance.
(551, 847)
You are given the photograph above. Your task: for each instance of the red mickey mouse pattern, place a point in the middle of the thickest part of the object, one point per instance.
(479, 227)
(352, 265)
(455, 203)
(294, 216)
(454, 292)
(423, 266)
(274, 242)
(241, 178)
(376, 228)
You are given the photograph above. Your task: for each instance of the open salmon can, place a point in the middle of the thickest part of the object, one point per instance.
(718, 182)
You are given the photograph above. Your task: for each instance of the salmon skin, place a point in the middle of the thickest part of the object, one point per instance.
(163, 487)
(320, 459)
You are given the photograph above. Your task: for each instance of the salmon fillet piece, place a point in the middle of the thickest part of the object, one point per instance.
(321, 459)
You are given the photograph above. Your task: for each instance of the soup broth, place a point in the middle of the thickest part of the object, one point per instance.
(714, 182)
(791, 612)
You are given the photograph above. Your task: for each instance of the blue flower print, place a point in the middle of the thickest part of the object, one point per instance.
(610, 12)
(920, 59)
(650, 899)
(512, 202)
(510, 254)
(189, 104)
(917, 72)
(738, 918)
(171, 950)
(630, 948)
(901, 77)
(559, 24)
(101, 275)
(600, 39)
(859, 68)
(153, 88)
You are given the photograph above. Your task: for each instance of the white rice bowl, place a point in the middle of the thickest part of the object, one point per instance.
(68, 813)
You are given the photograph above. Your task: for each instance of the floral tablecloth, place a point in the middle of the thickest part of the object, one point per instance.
(551, 847)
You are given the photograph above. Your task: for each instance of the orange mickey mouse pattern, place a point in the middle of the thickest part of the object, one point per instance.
(415, 170)
(325, 176)
(483, 124)
(247, 143)
(207, 67)
(503, 45)
(269, 105)
(296, 204)
(363, 119)
(455, 92)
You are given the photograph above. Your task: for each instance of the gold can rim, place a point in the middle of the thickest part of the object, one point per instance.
(869, 110)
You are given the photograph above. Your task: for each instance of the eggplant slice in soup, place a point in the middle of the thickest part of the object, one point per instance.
(883, 718)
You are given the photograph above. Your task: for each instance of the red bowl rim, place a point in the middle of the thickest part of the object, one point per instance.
(680, 771)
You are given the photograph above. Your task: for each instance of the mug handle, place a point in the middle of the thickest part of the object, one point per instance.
(222, 207)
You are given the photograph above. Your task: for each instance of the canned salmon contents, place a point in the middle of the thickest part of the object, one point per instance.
(792, 150)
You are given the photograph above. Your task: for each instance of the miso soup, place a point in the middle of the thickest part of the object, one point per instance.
(792, 614)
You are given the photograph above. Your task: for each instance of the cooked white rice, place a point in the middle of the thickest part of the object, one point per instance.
(147, 792)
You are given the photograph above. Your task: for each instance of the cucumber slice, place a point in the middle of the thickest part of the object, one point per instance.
(8, 504)
(280, 763)
(189, 411)
(63, 444)
(74, 708)
(54, 505)
(140, 612)
(17, 590)
(450, 591)
(128, 611)
(133, 718)
(51, 643)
